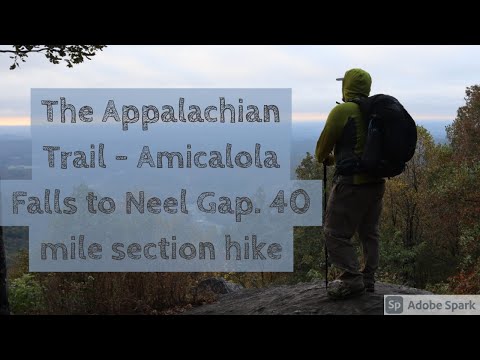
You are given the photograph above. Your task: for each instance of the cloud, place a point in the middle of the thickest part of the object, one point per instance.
(429, 80)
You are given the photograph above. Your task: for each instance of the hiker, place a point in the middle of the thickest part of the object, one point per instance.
(355, 201)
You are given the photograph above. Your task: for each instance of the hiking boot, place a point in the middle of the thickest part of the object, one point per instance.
(339, 290)
(369, 282)
(369, 286)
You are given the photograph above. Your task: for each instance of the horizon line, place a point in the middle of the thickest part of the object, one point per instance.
(296, 118)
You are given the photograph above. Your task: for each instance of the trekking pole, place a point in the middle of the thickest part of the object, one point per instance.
(324, 212)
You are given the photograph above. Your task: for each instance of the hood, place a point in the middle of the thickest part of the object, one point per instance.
(356, 83)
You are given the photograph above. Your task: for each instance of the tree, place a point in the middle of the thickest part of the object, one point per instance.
(71, 54)
(309, 169)
(309, 241)
(464, 137)
(464, 133)
(4, 306)
(464, 190)
(403, 193)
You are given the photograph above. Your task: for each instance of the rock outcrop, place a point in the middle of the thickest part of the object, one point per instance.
(218, 286)
(300, 299)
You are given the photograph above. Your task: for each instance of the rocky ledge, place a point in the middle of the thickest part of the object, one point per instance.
(300, 299)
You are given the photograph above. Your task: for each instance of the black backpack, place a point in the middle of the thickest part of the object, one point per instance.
(391, 138)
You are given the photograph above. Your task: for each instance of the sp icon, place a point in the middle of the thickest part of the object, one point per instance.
(393, 304)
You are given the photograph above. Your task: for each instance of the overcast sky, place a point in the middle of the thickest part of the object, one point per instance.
(429, 80)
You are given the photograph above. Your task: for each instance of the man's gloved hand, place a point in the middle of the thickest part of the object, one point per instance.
(329, 160)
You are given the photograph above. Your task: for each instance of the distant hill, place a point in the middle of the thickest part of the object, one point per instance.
(15, 132)
(15, 145)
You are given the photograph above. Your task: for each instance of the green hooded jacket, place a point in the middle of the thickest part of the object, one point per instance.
(345, 130)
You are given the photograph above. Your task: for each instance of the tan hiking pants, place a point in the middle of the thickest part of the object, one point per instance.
(353, 208)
